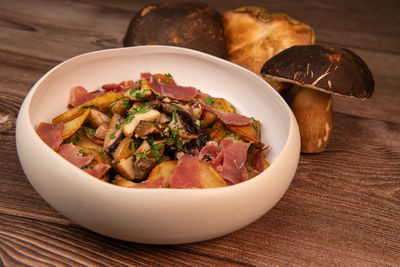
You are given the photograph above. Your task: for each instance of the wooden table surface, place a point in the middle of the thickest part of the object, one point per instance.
(342, 209)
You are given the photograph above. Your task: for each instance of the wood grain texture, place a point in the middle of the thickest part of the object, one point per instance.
(342, 209)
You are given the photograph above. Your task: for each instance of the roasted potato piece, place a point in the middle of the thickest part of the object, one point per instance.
(70, 127)
(207, 117)
(250, 133)
(80, 139)
(98, 157)
(120, 106)
(217, 131)
(164, 79)
(99, 102)
(164, 169)
(209, 177)
(121, 181)
(126, 168)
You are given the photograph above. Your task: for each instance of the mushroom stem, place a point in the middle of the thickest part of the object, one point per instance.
(313, 110)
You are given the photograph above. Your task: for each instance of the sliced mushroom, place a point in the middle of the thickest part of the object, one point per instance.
(319, 71)
(96, 118)
(146, 128)
(101, 131)
(187, 126)
(130, 127)
(114, 132)
(125, 149)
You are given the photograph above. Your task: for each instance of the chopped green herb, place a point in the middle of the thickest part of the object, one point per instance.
(209, 100)
(254, 124)
(175, 117)
(76, 138)
(81, 151)
(130, 145)
(87, 167)
(168, 75)
(89, 131)
(118, 126)
(112, 136)
(90, 106)
(125, 103)
(129, 119)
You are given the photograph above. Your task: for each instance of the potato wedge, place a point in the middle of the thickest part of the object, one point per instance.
(99, 102)
(80, 139)
(98, 158)
(70, 127)
(164, 169)
(121, 181)
(209, 177)
(217, 131)
(250, 133)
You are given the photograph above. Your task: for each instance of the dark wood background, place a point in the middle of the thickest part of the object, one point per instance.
(342, 209)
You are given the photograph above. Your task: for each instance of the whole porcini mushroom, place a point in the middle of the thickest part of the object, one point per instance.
(190, 24)
(319, 72)
(253, 35)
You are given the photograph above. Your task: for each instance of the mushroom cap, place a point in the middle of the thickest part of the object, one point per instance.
(332, 70)
(190, 24)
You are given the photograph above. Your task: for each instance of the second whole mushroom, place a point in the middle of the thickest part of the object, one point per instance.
(318, 72)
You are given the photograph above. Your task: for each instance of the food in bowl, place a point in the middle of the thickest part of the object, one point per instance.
(153, 133)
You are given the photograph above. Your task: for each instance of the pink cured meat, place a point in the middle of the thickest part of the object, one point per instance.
(51, 134)
(120, 87)
(71, 153)
(80, 95)
(156, 183)
(213, 152)
(258, 160)
(172, 91)
(98, 170)
(228, 118)
(234, 157)
(186, 173)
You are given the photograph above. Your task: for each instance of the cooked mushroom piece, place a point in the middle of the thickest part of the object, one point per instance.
(183, 123)
(114, 133)
(319, 72)
(253, 35)
(96, 118)
(146, 128)
(133, 120)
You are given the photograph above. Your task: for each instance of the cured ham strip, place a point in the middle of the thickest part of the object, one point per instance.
(156, 183)
(80, 95)
(71, 153)
(169, 90)
(228, 118)
(51, 134)
(212, 153)
(186, 173)
(234, 157)
(98, 170)
(120, 87)
(258, 160)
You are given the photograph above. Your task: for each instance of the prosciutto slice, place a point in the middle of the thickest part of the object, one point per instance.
(212, 153)
(120, 87)
(51, 134)
(228, 118)
(98, 170)
(234, 156)
(186, 173)
(80, 95)
(156, 183)
(258, 160)
(172, 91)
(71, 153)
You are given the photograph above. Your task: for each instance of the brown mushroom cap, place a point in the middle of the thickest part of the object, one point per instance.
(329, 69)
(192, 25)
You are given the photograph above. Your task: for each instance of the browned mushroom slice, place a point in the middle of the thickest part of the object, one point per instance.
(145, 128)
(101, 131)
(191, 24)
(132, 121)
(183, 123)
(120, 106)
(96, 118)
(124, 150)
(114, 132)
(319, 71)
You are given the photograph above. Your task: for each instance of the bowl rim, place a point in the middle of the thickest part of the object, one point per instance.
(25, 111)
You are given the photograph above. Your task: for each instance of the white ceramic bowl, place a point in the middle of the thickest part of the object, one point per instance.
(157, 216)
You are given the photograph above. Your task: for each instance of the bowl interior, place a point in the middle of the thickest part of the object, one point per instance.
(251, 95)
